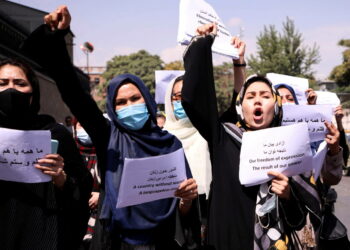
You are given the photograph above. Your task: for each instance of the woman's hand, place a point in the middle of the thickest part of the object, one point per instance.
(332, 138)
(58, 19)
(187, 191)
(339, 113)
(93, 202)
(280, 185)
(311, 96)
(206, 29)
(52, 164)
(240, 45)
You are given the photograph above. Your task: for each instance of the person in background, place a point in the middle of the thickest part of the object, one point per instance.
(48, 215)
(195, 147)
(161, 119)
(288, 94)
(339, 114)
(88, 153)
(69, 123)
(312, 193)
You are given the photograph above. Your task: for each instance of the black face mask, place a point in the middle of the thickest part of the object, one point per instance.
(15, 104)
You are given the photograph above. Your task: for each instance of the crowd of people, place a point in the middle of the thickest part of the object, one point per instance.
(210, 208)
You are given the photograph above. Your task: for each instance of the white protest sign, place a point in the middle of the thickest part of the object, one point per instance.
(195, 13)
(318, 159)
(163, 78)
(274, 149)
(151, 178)
(300, 85)
(313, 115)
(325, 97)
(19, 152)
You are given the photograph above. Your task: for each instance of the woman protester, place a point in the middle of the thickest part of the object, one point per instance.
(88, 153)
(315, 195)
(235, 218)
(131, 133)
(195, 147)
(48, 215)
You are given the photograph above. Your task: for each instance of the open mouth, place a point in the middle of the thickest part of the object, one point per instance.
(258, 113)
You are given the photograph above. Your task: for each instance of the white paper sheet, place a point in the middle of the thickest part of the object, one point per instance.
(19, 151)
(151, 178)
(318, 159)
(325, 97)
(313, 115)
(300, 85)
(194, 13)
(163, 78)
(274, 149)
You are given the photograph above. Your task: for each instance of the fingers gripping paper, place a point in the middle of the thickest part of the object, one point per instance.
(20, 151)
(151, 178)
(194, 13)
(274, 149)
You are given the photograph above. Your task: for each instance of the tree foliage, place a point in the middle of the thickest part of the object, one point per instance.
(175, 65)
(283, 52)
(223, 76)
(341, 73)
(141, 64)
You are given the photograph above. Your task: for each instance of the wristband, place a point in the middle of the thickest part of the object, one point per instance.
(239, 64)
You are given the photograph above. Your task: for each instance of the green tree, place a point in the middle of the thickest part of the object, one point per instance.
(141, 64)
(175, 65)
(223, 76)
(341, 73)
(284, 52)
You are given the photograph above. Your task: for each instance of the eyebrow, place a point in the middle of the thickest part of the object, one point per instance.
(261, 92)
(14, 79)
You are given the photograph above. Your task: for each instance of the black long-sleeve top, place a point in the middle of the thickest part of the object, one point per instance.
(232, 206)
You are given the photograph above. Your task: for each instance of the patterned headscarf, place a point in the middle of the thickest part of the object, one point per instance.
(277, 118)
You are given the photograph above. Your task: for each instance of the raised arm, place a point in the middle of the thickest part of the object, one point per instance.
(198, 91)
(239, 75)
(333, 165)
(47, 46)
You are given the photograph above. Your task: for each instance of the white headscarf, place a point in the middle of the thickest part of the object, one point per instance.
(195, 146)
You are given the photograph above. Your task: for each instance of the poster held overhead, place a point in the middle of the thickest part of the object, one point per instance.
(325, 97)
(194, 13)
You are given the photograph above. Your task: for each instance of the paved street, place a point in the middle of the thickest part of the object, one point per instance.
(342, 206)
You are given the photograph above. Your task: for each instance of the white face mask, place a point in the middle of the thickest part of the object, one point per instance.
(83, 137)
(288, 103)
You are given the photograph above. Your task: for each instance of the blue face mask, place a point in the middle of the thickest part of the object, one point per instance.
(133, 116)
(83, 137)
(179, 110)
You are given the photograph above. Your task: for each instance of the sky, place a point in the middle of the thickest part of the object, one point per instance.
(119, 27)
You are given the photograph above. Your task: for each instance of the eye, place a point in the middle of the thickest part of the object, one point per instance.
(135, 98)
(21, 83)
(120, 102)
(3, 82)
(249, 96)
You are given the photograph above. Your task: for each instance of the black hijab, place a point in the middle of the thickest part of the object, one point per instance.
(19, 110)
